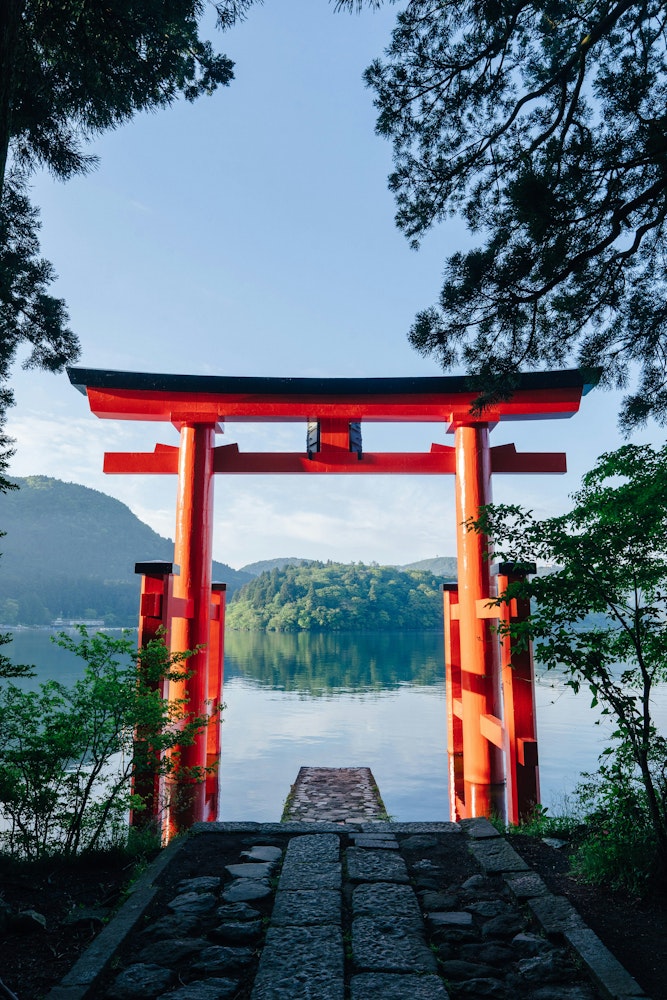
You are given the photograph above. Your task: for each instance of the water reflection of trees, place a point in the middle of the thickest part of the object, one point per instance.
(320, 663)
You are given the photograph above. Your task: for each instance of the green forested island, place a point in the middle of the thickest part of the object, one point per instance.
(337, 597)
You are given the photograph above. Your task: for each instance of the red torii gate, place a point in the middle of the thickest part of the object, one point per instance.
(492, 743)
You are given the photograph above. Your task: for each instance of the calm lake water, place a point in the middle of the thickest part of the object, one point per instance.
(343, 700)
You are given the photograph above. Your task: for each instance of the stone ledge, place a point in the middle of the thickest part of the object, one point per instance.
(605, 970)
(266, 828)
(555, 914)
(525, 885)
(386, 826)
(496, 857)
(479, 828)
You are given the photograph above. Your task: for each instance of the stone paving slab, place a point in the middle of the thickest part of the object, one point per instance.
(322, 848)
(399, 828)
(306, 907)
(301, 963)
(380, 898)
(496, 856)
(298, 827)
(376, 840)
(266, 829)
(525, 885)
(386, 986)
(364, 865)
(312, 876)
(390, 944)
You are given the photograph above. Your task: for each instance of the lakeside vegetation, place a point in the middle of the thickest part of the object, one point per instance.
(338, 597)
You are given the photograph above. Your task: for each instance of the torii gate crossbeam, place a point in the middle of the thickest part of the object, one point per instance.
(483, 730)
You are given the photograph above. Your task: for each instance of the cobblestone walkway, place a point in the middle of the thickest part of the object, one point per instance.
(336, 903)
(376, 911)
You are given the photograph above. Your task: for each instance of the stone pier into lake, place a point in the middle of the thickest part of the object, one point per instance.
(334, 795)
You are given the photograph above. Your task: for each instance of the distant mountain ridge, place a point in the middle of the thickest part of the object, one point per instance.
(444, 566)
(266, 565)
(69, 551)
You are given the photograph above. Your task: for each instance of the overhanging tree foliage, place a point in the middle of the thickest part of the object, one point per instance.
(611, 551)
(68, 71)
(543, 126)
(72, 69)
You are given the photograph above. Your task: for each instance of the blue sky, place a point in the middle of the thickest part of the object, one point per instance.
(252, 233)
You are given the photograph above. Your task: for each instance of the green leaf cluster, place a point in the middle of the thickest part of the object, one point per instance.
(618, 843)
(337, 597)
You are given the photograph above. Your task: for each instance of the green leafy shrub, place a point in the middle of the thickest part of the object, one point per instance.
(68, 755)
(618, 847)
(565, 825)
(600, 616)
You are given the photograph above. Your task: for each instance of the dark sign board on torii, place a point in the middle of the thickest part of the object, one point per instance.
(491, 726)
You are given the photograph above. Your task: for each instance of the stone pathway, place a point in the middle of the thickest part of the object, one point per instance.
(363, 909)
(303, 953)
(368, 911)
(334, 795)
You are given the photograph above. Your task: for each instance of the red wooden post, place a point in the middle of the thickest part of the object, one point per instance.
(216, 674)
(473, 490)
(193, 552)
(154, 620)
(518, 681)
(454, 704)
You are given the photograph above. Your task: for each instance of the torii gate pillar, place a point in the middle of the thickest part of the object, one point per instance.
(473, 490)
(193, 552)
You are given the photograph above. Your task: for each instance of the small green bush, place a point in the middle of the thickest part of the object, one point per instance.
(565, 825)
(619, 847)
(68, 755)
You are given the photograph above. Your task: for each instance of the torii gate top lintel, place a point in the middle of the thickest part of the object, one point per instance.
(334, 409)
(180, 398)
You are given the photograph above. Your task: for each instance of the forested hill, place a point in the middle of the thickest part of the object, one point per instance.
(70, 551)
(338, 597)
